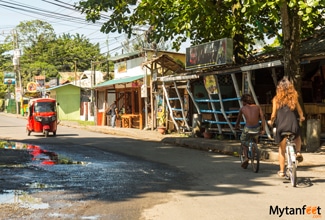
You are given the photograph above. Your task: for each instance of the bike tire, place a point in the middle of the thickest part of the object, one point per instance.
(241, 155)
(255, 159)
(293, 174)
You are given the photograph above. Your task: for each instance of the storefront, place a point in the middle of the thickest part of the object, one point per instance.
(161, 93)
(127, 94)
(134, 87)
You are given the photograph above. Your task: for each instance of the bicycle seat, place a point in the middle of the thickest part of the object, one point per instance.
(287, 133)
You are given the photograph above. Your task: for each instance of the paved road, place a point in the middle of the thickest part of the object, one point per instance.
(220, 189)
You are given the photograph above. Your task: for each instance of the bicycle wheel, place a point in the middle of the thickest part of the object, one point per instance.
(291, 167)
(241, 154)
(255, 159)
(293, 174)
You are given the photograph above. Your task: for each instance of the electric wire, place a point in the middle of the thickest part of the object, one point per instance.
(60, 17)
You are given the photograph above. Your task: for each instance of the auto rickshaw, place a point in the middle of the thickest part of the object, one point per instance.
(42, 116)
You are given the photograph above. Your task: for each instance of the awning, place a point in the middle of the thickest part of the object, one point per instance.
(119, 81)
(270, 64)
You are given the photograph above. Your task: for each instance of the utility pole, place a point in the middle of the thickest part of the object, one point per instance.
(92, 83)
(75, 72)
(16, 63)
(107, 61)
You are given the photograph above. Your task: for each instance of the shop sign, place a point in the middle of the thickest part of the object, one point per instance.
(214, 53)
(9, 75)
(10, 81)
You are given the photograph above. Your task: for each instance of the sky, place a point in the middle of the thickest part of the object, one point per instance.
(63, 18)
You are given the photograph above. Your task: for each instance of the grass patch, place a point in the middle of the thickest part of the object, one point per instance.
(85, 123)
(81, 123)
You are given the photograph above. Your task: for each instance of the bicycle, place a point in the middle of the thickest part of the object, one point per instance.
(292, 163)
(253, 152)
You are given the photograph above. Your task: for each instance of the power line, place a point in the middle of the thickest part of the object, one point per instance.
(63, 17)
(18, 8)
(44, 13)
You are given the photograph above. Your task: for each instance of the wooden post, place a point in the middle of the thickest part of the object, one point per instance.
(313, 134)
(140, 108)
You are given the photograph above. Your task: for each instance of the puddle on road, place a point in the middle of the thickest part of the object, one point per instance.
(22, 199)
(37, 185)
(19, 155)
(16, 152)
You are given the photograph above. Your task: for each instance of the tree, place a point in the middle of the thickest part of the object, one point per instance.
(6, 66)
(204, 21)
(31, 32)
(5, 57)
(69, 50)
(66, 53)
(200, 21)
(43, 53)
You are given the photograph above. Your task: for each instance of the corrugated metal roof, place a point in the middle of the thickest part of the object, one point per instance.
(119, 81)
(59, 86)
(126, 56)
(314, 45)
(167, 62)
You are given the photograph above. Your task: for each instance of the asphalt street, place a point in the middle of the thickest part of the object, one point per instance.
(269, 151)
(219, 189)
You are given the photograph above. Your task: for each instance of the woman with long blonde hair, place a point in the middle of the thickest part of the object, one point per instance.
(285, 112)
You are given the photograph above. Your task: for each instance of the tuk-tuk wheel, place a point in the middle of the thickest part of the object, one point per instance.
(28, 132)
(46, 133)
(54, 133)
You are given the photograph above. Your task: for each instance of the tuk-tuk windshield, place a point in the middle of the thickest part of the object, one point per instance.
(45, 107)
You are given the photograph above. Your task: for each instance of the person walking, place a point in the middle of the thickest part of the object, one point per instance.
(253, 114)
(285, 112)
(113, 113)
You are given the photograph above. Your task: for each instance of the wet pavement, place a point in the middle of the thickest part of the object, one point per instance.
(49, 172)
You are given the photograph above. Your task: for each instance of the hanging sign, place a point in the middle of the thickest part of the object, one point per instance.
(10, 81)
(213, 53)
(9, 75)
(144, 93)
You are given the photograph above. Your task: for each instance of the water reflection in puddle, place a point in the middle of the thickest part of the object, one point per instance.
(22, 199)
(22, 154)
(18, 153)
(43, 156)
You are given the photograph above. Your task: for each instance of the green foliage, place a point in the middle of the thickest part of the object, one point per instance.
(6, 66)
(3, 87)
(203, 21)
(43, 53)
(32, 32)
(5, 57)
(61, 55)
